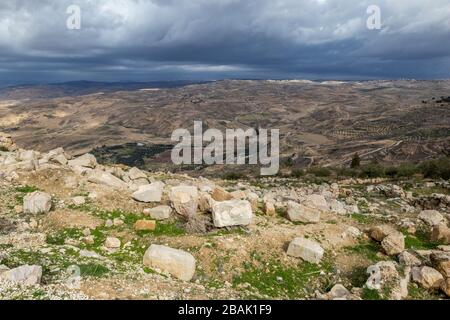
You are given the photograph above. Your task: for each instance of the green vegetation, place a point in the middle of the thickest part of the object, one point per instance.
(363, 218)
(93, 270)
(416, 292)
(419, 241)
(436, 169)
(370, 294)
(367, 250)
(23, 191)
(274, 279)
(356, 161)
(233, 176)
(358, 277)
(60, 237)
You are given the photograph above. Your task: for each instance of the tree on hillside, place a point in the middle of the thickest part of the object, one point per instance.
(356, 161)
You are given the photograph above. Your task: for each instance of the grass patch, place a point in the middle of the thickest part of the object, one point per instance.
(23, 191)
(370, 294)
(420, 241)
(362, 218)
(368, 250)
(275, 280)
(416, 292)
(60, 237)
(358, 277)
(93, 270)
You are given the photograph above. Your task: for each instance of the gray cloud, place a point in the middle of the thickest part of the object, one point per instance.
(208, 39)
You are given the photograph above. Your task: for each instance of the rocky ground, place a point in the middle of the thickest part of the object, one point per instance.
(73, 229)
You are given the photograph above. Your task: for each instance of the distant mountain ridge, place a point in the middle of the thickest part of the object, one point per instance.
(80, 88)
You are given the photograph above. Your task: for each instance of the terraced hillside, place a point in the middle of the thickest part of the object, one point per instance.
(321, 123)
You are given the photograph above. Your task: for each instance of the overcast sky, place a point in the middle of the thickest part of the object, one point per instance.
(140, 40)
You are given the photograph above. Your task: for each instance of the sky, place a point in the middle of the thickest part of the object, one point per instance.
(144, 40)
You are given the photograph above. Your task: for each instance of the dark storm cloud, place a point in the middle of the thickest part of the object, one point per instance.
(207, 39)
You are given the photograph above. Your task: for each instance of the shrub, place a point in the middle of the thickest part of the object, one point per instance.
(297, 173)
(356, 161)
(436, 169)
(320, 171)
(233, 176)
(372, 170)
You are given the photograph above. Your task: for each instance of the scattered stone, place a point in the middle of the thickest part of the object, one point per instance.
(145, 225)
(176, 262)
(316, 201)
(18, 209)
(117, 222)
(394, 243)
(220, 194)
(431, 217)
(253, 199)
(232, 213)
(441, 233)
(238, 195)
(87, 161)
(269, 208)
(337, 207)
(299, 213)
(441, 261)
(385, 278)
(205, 202)
(159, 213)
(427, 277)
(378, 233)
(78, 201)
(109, 223)
(407, 259)
(89, 254)
(149, 193)
(338, 292)
(135, 174)
(37, 202)
(352, 232)
(27, 275)
(107, 179)
(184, 200)
(305, 249)
(445, 286)
(112, 243)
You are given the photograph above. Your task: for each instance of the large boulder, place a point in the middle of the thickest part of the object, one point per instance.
(441, 261)
(300, 213)
(178, 263)
(431, 217)
(184, 200)
(107, 179)
(26, 275)
(232, 213)
(220, 194)
(305, 249)
(149, 193)
(441, 233)
(385, 278)
(394, 243)
(37, 202)
(378, 233)
(316, 201)
(86, 160)
(427, 277)
(135, 174)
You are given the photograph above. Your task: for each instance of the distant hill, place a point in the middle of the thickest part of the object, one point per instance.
(320, 123)
(79, 88)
